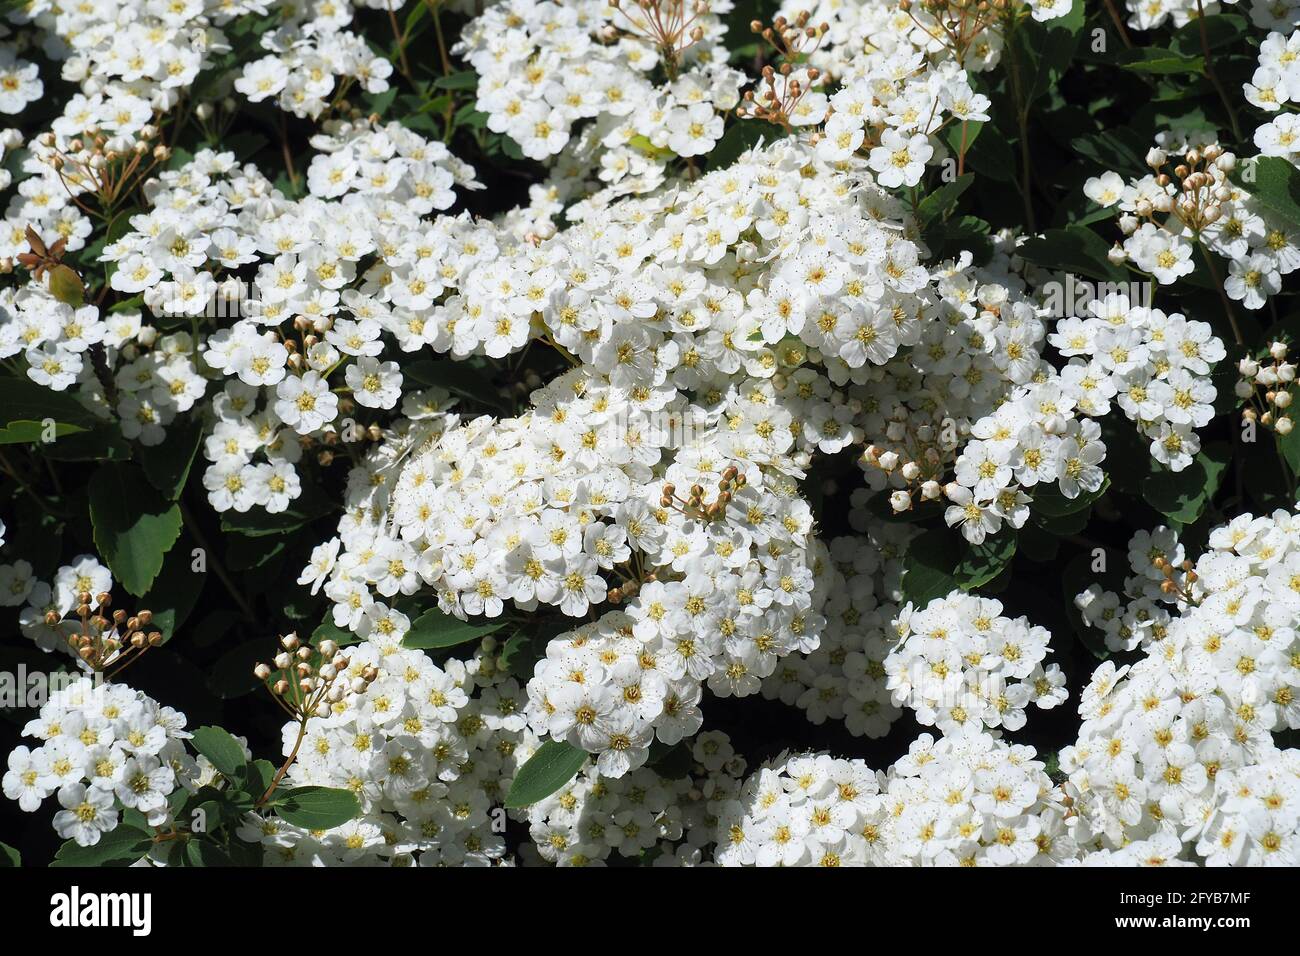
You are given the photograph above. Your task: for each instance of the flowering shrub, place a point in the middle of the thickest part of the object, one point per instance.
(652, 432)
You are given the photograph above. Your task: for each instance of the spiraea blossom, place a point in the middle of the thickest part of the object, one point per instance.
(649, 433)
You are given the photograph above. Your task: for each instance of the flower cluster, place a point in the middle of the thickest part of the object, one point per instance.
(598, 371)
(1173, 747)
(844, 678)
(311, 311)
(669, 817)
(573, 83)
(1154, 366)
(133, 63)
(314, 61)
(425, 755)
(963, 667)
(970, 800)
(104, 748)
(1187, 202)
(970, 35)
(1267, 384)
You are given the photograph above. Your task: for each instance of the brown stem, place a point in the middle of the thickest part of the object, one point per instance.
(284, 149)
(1119, 23)
(217, 569)
(1223, 296)
(293, 755)
(401, 43)
(1214, 77)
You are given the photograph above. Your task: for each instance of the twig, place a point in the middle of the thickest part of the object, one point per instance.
(212, 559)
(1214, 77)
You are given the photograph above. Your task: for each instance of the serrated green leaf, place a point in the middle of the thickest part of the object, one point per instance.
(222, 750)
(983, 562)
(1182, 495)
(942, 199)
(167, 466)
(124, 844)
(1074, 249)
(134, 526)
(1275, 185)
(1048, 500)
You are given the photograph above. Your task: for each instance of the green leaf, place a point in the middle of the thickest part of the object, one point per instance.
(30, 433)
(671, 763)
(1041, 52)
(258, 776)
(1275, 185)
(328, 630)
(167, 466)
(134, 526)
(173, 595)
(23, 401)
(938, 562)
(966, 233)
(1119, 149)
(201, 852)
(9, 857)
(99, 443)
(316, 808)
(1182, 496)
(1074, 249)
(553, 765)
(1049, 502)
(222, 750)
(65, 285)
(246, 554)
(928, 567)
(519, 656)
(435, 629)
(1220, 29)
(955, 133)
(985, 561)
(1289, 446)
(743, 136)
(232, 673)
(989, 156)
(942, 199)
(464, 80)
(1160, 62)
(257, 522)
(122, 845)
